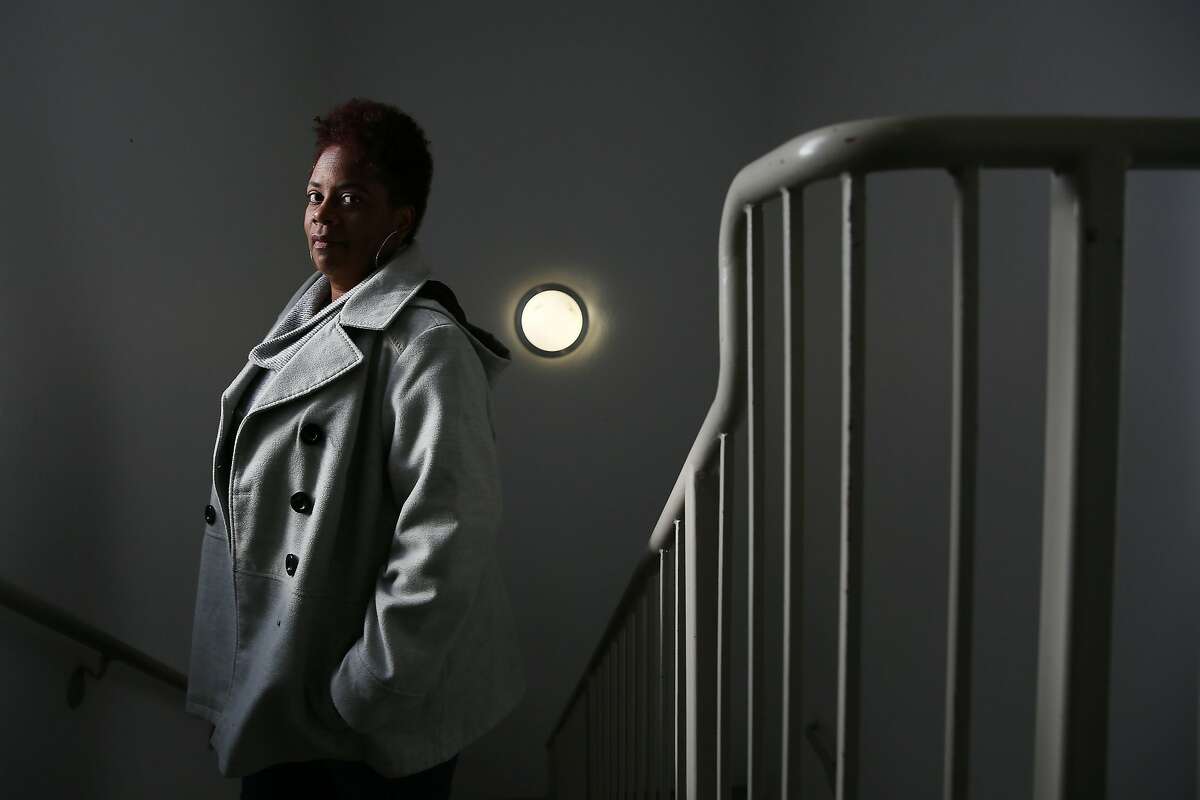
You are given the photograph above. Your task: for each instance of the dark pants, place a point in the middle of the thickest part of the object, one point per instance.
(328, 778)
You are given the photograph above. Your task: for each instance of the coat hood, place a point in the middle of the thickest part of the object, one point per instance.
(405, 279)
(492, 353)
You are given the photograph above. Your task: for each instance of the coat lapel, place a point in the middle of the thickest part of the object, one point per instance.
(329, 353)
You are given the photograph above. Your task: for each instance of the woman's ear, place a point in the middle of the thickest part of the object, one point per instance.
(403, 220)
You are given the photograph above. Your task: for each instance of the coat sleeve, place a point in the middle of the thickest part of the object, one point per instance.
(442, 470)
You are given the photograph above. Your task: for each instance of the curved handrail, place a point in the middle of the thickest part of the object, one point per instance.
(110, 647)
(890, 143)
(870, 145)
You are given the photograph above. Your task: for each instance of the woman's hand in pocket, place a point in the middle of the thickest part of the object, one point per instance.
(322, 705)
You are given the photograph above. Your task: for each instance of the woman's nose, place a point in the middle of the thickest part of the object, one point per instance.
(323, 213)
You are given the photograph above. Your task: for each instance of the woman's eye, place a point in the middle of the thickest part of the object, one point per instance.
(348, 200)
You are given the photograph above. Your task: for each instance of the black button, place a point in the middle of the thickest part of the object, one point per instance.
(310, 433)
(220, 467)
(210, 514)
(302, 502)
(290, 563)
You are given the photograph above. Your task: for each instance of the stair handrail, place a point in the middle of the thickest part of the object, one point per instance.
(868, 145)
(110, 647)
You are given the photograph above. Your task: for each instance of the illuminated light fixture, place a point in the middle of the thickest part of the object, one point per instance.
(551, 319)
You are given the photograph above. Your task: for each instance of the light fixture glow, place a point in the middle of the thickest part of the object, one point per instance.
(551, 319)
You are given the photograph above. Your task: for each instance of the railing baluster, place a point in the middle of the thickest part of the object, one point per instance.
(598, 745)
(615, 670)
(622, 712)
(755, 546)
(791, 696)
(701, 529)
(605, 728)
(639, 718)
(635, 700)
(630, 778)
(964, 407)
(680, 680)
(552, 760)
(641, 665)
(589, 743)
(631, 702)
(653, 740)
(850, 599)
(598, 742)
(693, 686)
(627, 705)
(611, 790)
(1080, 492)
(665, 771)
(724, 650)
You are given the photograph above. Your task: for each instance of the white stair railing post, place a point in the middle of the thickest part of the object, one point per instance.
(1083, 393)
(854, 218)
(964, 406)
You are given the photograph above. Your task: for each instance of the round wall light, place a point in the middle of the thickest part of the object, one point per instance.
(551, 319)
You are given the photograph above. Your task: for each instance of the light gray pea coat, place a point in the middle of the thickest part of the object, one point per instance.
(350, 601)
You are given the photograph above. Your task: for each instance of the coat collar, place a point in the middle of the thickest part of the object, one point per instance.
(329, 352)
(375, 301)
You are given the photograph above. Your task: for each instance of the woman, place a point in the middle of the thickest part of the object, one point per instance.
(352, 630)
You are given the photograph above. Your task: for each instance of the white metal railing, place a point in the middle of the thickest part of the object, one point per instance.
(650, 716)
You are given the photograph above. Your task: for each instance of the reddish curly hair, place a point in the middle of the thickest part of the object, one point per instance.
(391, 144)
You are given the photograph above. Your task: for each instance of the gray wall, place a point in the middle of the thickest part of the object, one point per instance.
(155, 166)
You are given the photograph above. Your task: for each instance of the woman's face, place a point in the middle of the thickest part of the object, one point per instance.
(347, 216)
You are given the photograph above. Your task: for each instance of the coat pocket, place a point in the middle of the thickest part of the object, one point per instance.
(320, 705)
